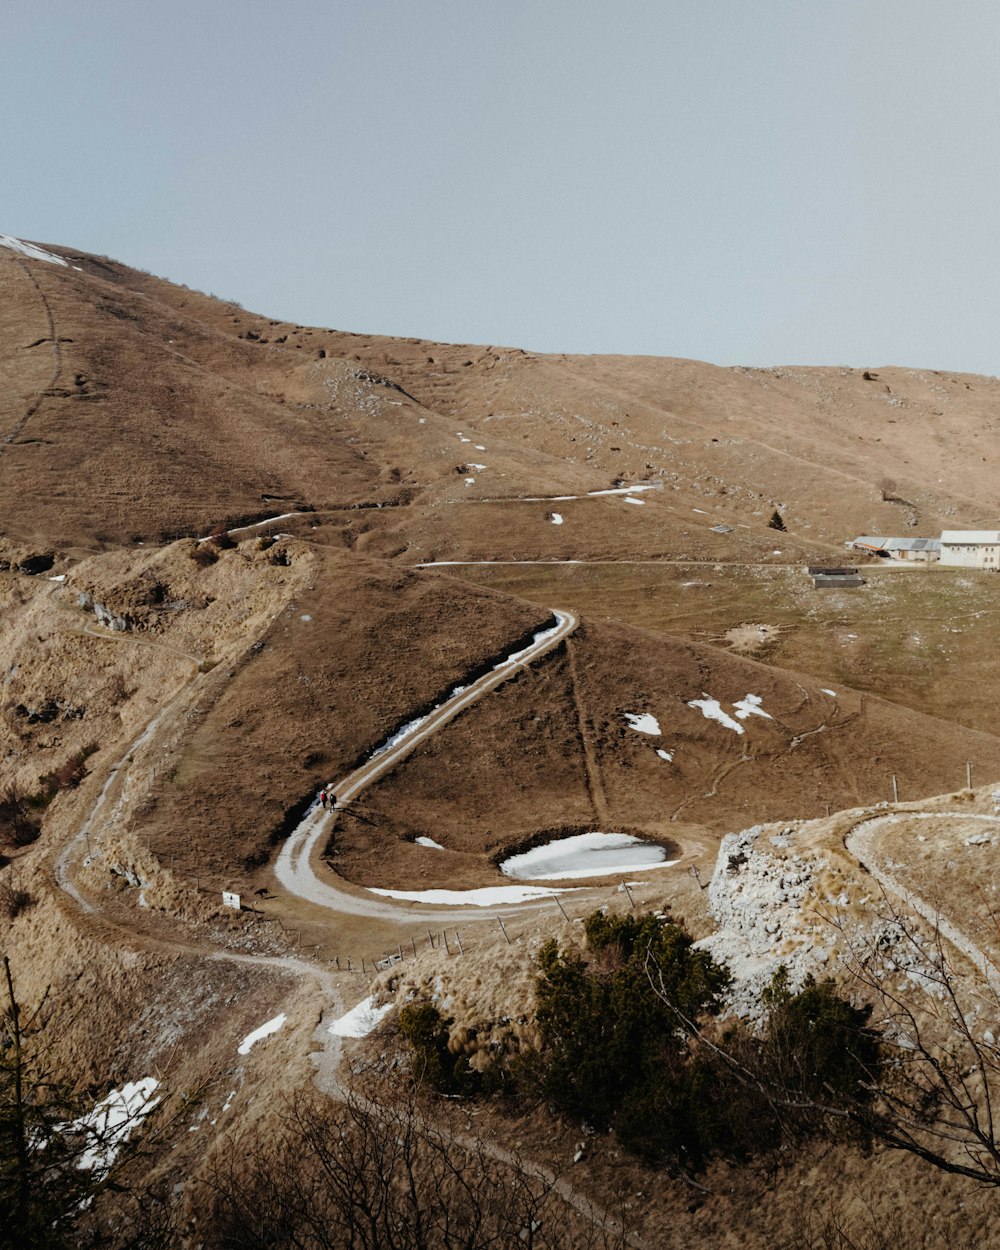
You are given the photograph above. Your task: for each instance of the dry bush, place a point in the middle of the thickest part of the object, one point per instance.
(14, 899)
(372, 1174)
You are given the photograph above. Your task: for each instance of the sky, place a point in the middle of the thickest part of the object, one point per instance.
(756, 182)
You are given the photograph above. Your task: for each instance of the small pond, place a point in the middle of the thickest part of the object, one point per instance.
(586, 855)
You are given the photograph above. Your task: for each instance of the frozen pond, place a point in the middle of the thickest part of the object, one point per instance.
(586, 855)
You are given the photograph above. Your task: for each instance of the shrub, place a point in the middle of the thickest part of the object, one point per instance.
(203, 554)
(817, 1044)
(776, 522)
(221, 539)
(611, 1026)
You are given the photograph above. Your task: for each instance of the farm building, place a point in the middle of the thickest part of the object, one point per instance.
(971, 549)
(827, 578)
(922, 549)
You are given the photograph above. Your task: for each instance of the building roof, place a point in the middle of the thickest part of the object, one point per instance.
(897, 544)
(967, 538)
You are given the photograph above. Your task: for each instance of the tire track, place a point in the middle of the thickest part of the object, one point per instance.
(56, 354)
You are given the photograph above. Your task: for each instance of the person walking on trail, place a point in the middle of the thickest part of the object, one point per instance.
(323, 799)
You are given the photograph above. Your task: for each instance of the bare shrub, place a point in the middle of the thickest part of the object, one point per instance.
(221, 539)
(14, 899)
(203, 554)
(886, 488)
(372, 1174)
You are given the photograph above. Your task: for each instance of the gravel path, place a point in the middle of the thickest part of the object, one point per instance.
(294, 867)
(861, 842)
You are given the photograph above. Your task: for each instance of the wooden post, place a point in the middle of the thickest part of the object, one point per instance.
(337, 958)
(430, 938)
(631, 900)
(968, 774)
(362, 965)
(458, 939)
(502, 929)
(555, 899)
(400, 949)
(444, 934)
(413, 943)
(895, 789)
(828, 809)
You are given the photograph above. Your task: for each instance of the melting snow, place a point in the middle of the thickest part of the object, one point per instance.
(112, 1121)
(469, 481)
(479, 447)
(750, 705)
(556, 518)
(712, 710)
(272, 1026)
(477, 466)
(33, 252)
(61, 577)
(412, 726)
(429, 842)
(831, 693)
(585, 855)
(643, 722)
(640, 502)
(486, 896)
(360, 1020)
(539, 637)
(665, 755)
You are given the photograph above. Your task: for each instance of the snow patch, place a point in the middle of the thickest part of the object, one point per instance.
(469, 481)
(831, 693)
(643, 723)
(112, 1122)
(711, 709)
(251, 1039)
(360, 1020)
(556, 518)
(422, 841)
(539, 637)
(639, 502)
(585, 855)
(665, 755)
(485, 896)
(33, 252)
(750, 705)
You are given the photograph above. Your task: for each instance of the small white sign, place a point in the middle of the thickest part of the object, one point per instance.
(230, 900)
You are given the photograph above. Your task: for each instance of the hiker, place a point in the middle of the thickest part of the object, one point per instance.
(332, 800)
(322, 799)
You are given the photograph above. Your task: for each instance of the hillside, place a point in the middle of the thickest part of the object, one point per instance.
(395, 527)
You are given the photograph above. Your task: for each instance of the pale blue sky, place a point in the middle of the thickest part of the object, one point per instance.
(742, 181)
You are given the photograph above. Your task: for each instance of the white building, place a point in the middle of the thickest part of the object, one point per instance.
(971, 549)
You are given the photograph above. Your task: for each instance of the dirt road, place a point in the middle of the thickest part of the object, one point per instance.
(294, 867)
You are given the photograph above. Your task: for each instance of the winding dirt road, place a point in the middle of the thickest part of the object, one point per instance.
(294, 867)
(860, 842)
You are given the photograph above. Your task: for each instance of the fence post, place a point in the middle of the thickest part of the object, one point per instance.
(458, 939)
(502, 929)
